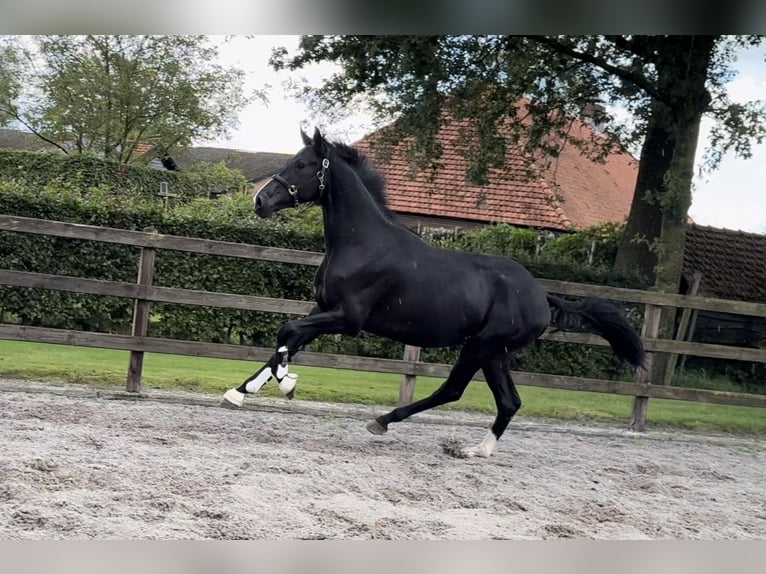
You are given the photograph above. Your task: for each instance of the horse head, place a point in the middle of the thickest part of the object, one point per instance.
(301, 180)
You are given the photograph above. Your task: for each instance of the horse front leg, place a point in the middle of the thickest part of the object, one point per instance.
(235, 397)
(292, 337)
(275, 367)
(295, 335)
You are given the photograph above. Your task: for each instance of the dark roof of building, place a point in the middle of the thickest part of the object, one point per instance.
(20, 140)
(732, 263)
(254, 165)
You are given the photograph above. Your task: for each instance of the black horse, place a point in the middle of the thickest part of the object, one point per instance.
(380, 277)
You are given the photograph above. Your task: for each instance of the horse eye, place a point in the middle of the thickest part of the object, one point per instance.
(301, 165)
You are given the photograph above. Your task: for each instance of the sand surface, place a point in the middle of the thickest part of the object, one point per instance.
(75, 464)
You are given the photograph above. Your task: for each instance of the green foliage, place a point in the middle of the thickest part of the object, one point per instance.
(565, 257)
(212, 180)
(722, 375)
(477, 80)
(499, 239)
(105, 94)
(595, 246)
(11, 64)
(88, 172)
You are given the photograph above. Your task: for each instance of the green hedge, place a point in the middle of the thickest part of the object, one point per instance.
(230, 218)
(200, 218)
(84, 173)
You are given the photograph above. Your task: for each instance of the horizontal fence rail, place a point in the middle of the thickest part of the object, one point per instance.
(655, 298)
(393, 366)
(293, 307)
(157, 240)
(152, 293)
(280, 255)
(143, 292)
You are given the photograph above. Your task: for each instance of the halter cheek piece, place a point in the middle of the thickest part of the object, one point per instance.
(292, 188)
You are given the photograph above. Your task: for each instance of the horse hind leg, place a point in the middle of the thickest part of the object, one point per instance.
(451, 390)
(498, 376)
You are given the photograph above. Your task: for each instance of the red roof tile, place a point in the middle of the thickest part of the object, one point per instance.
(142, 147)
(573, 191)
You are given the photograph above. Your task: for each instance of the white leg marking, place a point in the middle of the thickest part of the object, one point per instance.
(281, 369)
(484, 449)
(255, 385)
(281, 372)
(234, 397)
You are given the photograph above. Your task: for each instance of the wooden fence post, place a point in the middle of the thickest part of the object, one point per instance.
(652, 314)
(407, 385)
(140, 316)
(683, 326)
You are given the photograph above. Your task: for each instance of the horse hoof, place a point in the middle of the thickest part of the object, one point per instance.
(287, 385)
(376, 428)
(454, 449)
(232, 399)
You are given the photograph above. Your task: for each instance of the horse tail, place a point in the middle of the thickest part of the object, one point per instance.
(601, 317)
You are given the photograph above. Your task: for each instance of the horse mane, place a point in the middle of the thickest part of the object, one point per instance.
(373, 180)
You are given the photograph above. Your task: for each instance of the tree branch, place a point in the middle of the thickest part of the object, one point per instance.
(13, 112)
(637, 45)
(635, 79)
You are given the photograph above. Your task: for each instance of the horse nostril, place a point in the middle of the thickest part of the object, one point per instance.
(257, 202)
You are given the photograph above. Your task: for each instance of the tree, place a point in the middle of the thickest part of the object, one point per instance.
(107, 94)
(12, 58)
(666, 83)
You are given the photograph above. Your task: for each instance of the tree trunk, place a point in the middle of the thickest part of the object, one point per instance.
(637, 250)
(689, 98)
(675, 207)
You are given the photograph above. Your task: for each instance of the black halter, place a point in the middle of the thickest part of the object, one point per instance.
(292, 188)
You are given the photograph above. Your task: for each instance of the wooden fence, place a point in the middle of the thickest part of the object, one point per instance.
(143, 292)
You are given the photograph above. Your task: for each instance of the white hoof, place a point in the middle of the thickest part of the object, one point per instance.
(470, 452)
(288, 383)
(234, 397)
(484, 450)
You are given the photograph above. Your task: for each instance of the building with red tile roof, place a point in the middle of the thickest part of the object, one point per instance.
(569, 192)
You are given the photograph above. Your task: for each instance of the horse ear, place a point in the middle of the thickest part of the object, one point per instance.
(305, 137)
(320, 144)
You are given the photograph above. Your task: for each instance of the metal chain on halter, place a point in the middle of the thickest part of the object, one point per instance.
(320, 174)
(292, 189)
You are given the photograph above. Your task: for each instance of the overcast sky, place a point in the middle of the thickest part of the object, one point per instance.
(733, 197)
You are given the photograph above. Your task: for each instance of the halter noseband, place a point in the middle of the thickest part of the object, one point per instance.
(292, 188)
